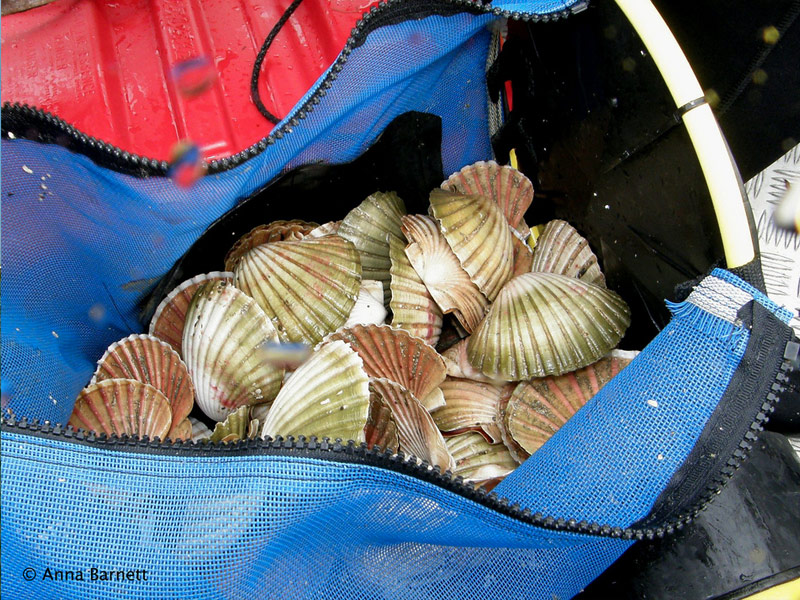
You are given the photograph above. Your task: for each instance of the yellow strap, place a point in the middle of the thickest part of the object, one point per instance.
(712, 152)
(786, 591)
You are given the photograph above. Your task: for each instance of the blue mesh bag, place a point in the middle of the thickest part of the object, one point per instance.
(89, 234)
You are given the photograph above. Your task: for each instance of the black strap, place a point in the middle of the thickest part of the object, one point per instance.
(678, 114)
(260, 60)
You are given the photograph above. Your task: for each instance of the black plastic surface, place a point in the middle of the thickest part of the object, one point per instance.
(744, 541)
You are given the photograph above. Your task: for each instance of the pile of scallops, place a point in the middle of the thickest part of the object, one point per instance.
(460, 337)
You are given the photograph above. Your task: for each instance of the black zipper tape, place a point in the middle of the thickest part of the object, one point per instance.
(734, 425)
(23, 121)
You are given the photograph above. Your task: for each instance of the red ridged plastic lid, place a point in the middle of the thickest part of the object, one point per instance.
(108, 68)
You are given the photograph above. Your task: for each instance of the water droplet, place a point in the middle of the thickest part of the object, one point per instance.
(97, 313)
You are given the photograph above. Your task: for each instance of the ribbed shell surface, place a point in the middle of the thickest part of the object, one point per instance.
(233, 428)
(396, 355)
(439, 269)
(413, 308)
(506, 186)
(538, 408)
(416, 431)
(561, 249)
(122, 406)
(458, 365)
(471, 406)
(150, 360)
(307, 288)
(380, 430)
(546, 324)
(225, 331)
(477, 460)
(167, 322)
(180, 431)
(328, 396)
(276, 231)
(369, 226)
(478, 234)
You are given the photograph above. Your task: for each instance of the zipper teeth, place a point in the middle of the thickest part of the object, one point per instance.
(317, 448)
(144, 166)
(422, 470)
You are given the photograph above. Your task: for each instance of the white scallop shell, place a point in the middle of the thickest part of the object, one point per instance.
(225, 330)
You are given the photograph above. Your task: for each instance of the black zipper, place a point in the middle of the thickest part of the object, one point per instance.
(350, 452)
(19, 119)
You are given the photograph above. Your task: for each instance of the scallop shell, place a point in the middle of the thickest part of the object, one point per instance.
(222, 346)
(538, 408)
(277, 231)
(433, 400)
(471, 406)
(546, 324)
(307, 288)
(380, 430)
(413, 308)
(369, 226)
(122, 406)
(478, 234)
(149, 360)
(326, 397)
(478, 461)
(506, 186)
(329, 228)
(167, 321)
(368, 309)
(416, 431)
(181, 432)
(200, 430)
(561, 249)
(233, 428)
(396, 355)
(441, 272)
(522, 257)
(457, 363)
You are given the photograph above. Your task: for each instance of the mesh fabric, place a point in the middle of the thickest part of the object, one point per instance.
(82, 245)
(255, 527)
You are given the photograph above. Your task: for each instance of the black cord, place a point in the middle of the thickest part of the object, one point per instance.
(260, 60)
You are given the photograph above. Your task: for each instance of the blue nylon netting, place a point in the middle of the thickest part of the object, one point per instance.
(261, 527)
(81, 245)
